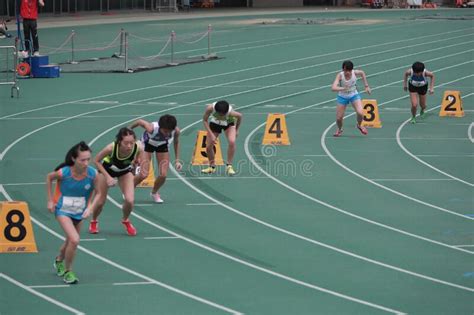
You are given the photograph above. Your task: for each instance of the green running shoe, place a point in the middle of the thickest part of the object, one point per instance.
(413, 120)
(59, 267)
(70, 277)
(422, 114)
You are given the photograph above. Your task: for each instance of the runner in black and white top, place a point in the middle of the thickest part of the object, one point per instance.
(417, 79)
(219, 117)
(157, 137)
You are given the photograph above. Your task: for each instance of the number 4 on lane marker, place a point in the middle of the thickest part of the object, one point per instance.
(276, 132)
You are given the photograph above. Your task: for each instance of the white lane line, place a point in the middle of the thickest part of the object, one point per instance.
(323, 144)
(161, 237)
(446, 155)
(24, 184)
(400, 144)
(276, 274)
(132, 283)
(41, 295)
(469, 132)
(410, 179)
(52, 286)
(125, 269)
(223, 178)
(92, 239)
(464, 246)
(315, 155)
(103, 102)
(201, 204)
(168, 179)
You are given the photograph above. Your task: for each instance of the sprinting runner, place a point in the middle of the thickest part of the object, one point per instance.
(116, 163)
(346, 88)
(75, 183)
(219, 117)
(417, 77)
(157, 137)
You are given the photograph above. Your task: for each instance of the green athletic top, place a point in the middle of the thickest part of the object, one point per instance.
(117, 164)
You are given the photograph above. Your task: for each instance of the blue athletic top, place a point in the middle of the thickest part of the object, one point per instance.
(73, 194)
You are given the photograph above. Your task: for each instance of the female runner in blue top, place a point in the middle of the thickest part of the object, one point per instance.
(75, 183)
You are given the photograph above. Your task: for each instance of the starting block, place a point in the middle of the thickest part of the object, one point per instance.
(371, 114)
(16, 231)
(200, 154)
(276, 132)
(451, 104)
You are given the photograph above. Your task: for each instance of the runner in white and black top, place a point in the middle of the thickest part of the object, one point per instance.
(157, 137)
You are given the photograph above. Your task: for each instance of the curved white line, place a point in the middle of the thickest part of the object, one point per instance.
(469, 132)
(125, 269)
(252, 160)
(323, 144)
(41, 295)
(243, 262)
(400, 144)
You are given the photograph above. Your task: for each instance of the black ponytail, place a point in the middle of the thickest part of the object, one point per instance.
(72, 154)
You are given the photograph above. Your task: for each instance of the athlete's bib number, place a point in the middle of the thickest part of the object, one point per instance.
(73, 205)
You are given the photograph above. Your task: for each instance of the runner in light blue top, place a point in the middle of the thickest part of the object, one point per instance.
(345, 84)
(76, 182)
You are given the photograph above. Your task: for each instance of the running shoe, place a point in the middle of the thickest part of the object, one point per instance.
(338, 133)
(209, 170)
(129, 228)
(413, 120)
(70, 277)
(362, 130)
(94, 227)
(156, 197)
(422, 114)
(230, 170)
(59, 267)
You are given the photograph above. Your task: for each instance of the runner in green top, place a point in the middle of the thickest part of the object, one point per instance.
(116, 163)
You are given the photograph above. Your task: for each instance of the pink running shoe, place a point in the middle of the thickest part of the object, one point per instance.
(362, 130)
(131, 230)
(156, 197)
(94, 227)
(338, 133)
